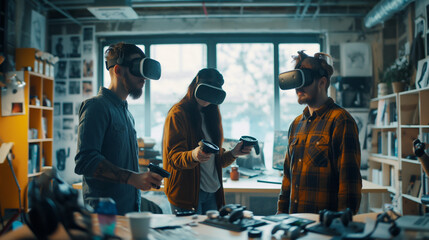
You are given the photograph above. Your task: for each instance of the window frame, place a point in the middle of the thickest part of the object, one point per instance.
(210, 40)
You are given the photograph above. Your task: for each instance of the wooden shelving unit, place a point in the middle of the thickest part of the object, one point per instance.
(28, 164)
(401, 118)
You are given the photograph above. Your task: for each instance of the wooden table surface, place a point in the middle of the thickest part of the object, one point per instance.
(200, 231)
(251, 185)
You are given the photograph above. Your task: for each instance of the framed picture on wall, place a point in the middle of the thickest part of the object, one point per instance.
(427, 12)
(420, 26)
(422, 75)
(356, 59)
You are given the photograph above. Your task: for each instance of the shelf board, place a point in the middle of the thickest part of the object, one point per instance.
(40, 75)
(411, 126)
(392, 95)
(391, 189)
(384, 159)
(34, 174)
(412, 198)
(395, 126)
(414, 91)
(411, 161)
(41, 107)
(40, 140)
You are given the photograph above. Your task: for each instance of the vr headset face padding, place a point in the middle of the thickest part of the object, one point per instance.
(209, 93)
(296, 78)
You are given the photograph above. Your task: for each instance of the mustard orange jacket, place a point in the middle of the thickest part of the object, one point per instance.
(179, 139)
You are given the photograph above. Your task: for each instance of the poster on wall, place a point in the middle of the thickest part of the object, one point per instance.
(356, 60)
(420, 26)
(361, 118)
(38, 30)
(58, 45)
(88, 33)
(74, 51)
(422, 75)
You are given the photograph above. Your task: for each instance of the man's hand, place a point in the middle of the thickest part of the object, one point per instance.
(239, 151)
(145, 181)
(200, 156)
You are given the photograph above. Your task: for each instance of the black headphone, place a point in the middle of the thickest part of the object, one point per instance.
(326, 217)
(53, 201)
(120, 59)
(394, 230)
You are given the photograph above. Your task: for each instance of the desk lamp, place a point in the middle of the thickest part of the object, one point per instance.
(6, 153)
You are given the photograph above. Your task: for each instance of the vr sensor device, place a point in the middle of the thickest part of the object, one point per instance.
(139, 67)
(209, 86)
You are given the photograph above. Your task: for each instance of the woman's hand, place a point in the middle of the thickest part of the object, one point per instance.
(200, 156)
(239, 150)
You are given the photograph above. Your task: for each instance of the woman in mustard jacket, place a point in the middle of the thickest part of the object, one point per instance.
(196, 176)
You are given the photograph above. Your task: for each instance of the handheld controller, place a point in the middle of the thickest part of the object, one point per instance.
(208, 147)
(250, 141)
(158, 170)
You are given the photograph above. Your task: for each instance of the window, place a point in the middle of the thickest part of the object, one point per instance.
(180, 63)
(248, 73)
(253, 104)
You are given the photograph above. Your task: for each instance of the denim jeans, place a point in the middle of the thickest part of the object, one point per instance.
(207, 201)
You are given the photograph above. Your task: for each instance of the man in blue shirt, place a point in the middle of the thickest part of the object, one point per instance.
(107, 150)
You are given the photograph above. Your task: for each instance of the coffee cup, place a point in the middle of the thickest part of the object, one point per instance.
(139, 224)
(250, 141)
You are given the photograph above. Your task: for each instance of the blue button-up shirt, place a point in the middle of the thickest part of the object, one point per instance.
(106, 131)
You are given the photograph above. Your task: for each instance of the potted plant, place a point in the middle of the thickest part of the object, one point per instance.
(398, 75)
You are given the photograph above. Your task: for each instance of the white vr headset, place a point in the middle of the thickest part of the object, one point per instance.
(139, 67)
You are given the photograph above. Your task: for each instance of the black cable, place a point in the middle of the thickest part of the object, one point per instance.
(380, 218)
(10, 156)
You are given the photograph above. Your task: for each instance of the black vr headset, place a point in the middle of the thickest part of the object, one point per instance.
(139, 67)
(209, 86)
(300, 77)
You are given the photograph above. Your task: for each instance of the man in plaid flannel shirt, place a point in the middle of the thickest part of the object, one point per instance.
(322, 164)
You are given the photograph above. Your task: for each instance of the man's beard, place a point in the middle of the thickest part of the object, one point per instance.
(135, 93)
(310, 97)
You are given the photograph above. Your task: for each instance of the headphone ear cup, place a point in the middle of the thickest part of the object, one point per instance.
(322, 215)
(43, 218)
(120, 57)
(346, 217)
(328, 216)
(394, 230)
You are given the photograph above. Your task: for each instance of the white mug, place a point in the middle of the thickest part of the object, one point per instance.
(139, 224)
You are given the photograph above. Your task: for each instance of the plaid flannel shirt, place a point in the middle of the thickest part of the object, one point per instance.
(322, 164)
